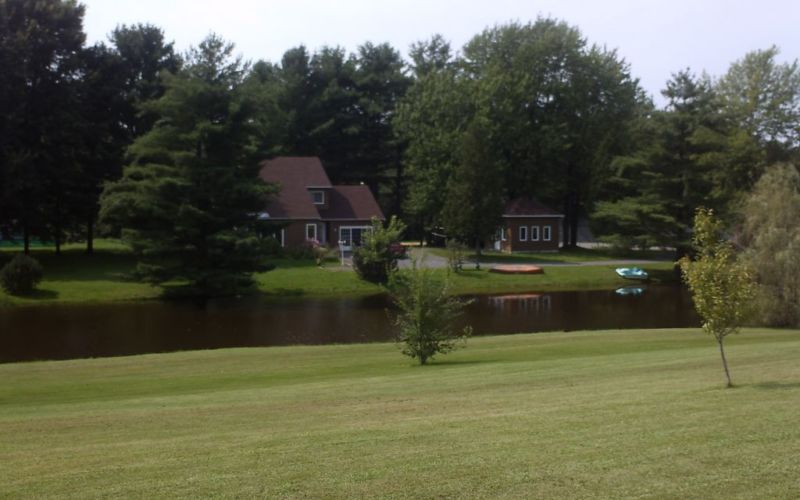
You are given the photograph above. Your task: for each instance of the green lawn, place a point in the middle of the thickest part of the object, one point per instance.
(75, 277)
(562, 415)
(564, 256)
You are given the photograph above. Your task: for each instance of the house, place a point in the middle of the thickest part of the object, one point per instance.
(309, 207)
(528, 226)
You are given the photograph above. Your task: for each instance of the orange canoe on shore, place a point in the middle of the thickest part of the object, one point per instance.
(516, 269)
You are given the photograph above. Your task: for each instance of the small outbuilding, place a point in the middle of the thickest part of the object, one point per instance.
(529, 226)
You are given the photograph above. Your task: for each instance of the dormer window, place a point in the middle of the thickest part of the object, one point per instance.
(318, 197)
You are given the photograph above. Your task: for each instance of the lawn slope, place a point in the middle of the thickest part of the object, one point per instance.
(611, 414)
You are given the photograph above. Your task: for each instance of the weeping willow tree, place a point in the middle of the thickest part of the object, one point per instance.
(772, 235)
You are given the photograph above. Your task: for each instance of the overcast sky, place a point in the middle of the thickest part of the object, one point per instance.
(657, 38)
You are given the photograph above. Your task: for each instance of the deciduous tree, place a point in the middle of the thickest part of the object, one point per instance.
(772, 237)
(427, 314)
(721, 284)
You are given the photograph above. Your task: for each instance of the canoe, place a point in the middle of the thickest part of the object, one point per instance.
(516, 269)
(632, 273)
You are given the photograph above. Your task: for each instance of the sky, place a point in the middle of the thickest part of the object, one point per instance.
(656, 38)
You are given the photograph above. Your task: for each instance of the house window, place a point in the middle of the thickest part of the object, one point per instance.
(523, 233)
(311, 231)
(546, 233)
(534, 233)
(318, 197)
(352, 236)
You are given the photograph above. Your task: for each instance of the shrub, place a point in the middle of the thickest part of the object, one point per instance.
(302, 252)
(427, 314)
(21, 275)
(376, 259)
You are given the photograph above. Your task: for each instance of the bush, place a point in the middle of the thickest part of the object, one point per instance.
(376, 259)
(21, 275)
(427, 314)
(301, 252)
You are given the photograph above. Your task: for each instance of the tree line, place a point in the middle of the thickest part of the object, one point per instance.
(523, 109)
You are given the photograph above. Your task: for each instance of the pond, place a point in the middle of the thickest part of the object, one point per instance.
(80, 331)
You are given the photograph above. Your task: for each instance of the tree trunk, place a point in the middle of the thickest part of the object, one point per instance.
(26, 238)
(477, 253)
(90, 235)
(565, 232)
(58, 241)
(724, 362)
(574, 226)
(571, 221)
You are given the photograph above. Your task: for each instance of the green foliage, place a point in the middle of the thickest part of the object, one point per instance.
(21, 275)
(337, 106)
(658, 187)
(188, 202)
(375, 260)
(474, 198)
(427, 314)
(772, 237)
(456, 254)
(556, 111)
(763, 98)
(721, 284)
(40, 46)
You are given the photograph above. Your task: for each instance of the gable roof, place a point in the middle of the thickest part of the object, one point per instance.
(351, 202)
(528, 207)
(296, 174)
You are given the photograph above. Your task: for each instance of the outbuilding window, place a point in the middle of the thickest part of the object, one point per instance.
(523, 233)
(546, 235)
(534, 233)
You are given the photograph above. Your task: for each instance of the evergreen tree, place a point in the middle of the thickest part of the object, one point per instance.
(188, 202)
(663, 183)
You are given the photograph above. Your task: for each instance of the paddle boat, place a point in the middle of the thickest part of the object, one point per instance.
(632, 273)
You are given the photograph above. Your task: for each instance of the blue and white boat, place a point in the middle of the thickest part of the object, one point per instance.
(632, 273)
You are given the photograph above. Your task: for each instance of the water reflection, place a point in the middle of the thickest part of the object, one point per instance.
(63, 332)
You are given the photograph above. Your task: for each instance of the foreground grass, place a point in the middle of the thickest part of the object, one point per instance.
(608, 414)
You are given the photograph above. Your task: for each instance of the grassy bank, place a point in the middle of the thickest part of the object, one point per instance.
(75, 277)
(570, 415)
(563, 256)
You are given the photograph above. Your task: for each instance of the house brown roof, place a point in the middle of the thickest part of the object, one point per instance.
(351, 202)
(296, 174)
(522, 207)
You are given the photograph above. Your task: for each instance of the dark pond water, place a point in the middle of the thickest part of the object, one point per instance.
(79, 331)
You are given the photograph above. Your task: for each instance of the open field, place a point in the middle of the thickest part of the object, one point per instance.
(76, 277)
(608, 414)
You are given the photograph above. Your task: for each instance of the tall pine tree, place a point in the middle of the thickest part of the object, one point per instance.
(188, 202)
